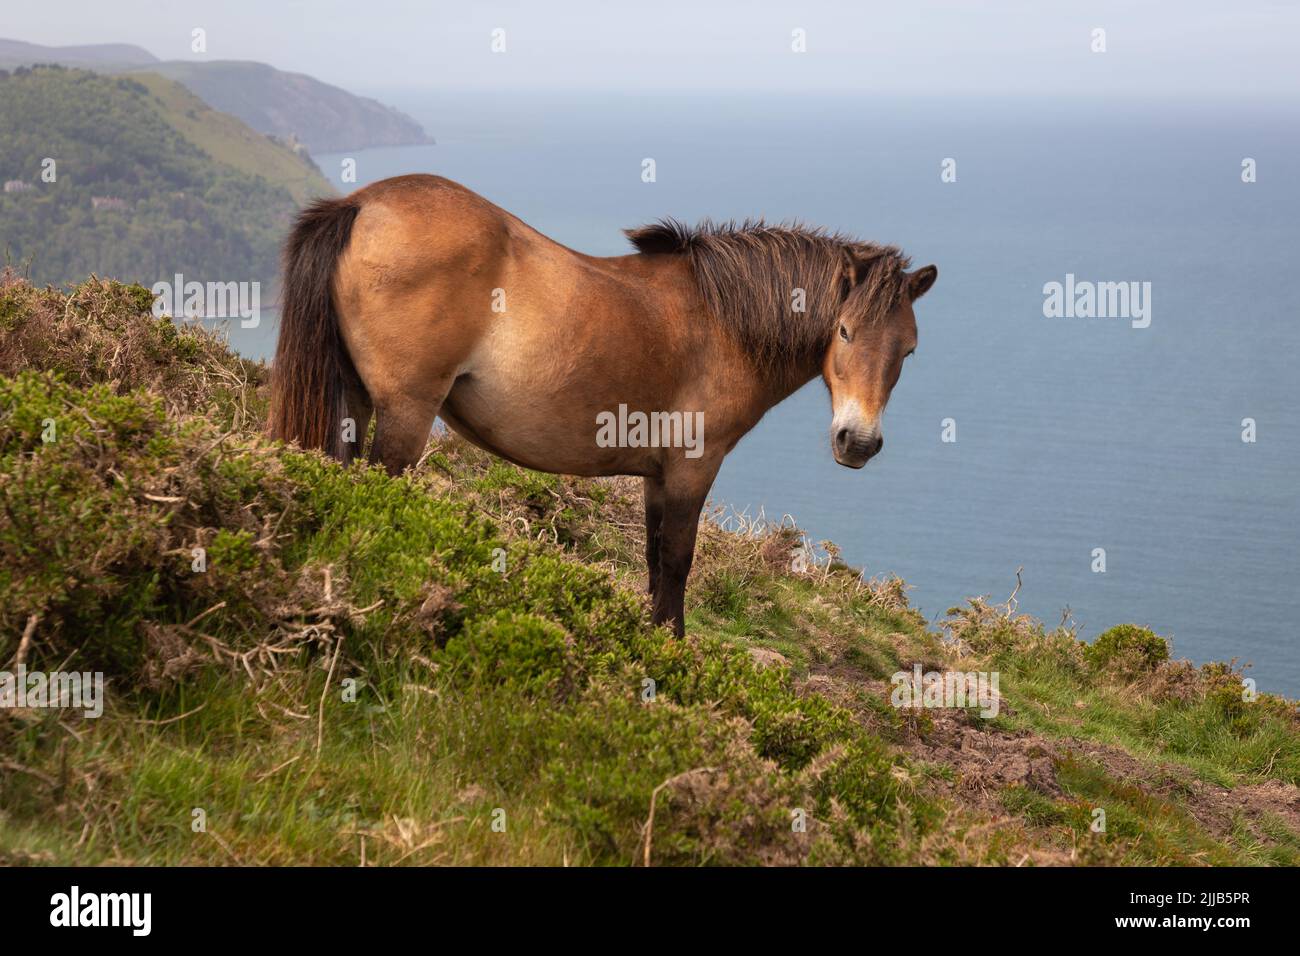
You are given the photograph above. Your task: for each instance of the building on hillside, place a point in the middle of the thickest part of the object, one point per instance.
(18, 186)
(107, 202)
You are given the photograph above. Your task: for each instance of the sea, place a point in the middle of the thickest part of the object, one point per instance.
(1128, 468)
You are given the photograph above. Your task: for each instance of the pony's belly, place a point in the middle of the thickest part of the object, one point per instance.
(546, 432)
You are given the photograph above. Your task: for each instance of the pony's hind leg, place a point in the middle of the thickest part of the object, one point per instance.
(402, 428)
(356, 421)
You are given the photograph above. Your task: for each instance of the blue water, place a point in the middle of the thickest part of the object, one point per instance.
(1072, 434)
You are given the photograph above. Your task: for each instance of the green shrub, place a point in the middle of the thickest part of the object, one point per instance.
(521, 651)
(1127, 649)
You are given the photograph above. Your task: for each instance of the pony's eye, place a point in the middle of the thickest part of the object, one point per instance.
(844, 333)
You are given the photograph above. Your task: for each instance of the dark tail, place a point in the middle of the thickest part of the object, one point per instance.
(312, 371)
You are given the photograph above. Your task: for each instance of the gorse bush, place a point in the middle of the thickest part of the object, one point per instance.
(106, 499)
(1128, 648)
(106, 333)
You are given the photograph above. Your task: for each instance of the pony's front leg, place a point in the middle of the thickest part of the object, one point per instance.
(654, 519)
(685, 491)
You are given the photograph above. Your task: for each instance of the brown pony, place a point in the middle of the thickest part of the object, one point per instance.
(415, 298)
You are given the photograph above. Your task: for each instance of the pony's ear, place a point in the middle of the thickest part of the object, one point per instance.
(853, 269)
(857, 264)
(919, 282)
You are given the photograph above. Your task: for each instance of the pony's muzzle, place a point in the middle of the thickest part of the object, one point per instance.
(854, 447)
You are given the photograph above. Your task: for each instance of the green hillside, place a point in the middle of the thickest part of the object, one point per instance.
(457, 666)
(181, 187)
(323, 117)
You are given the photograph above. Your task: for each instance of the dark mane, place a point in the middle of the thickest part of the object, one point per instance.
(747, 274)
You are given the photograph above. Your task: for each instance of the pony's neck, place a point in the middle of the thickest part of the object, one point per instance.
(784, 382)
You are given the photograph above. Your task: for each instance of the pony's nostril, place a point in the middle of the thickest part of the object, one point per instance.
(842, 439)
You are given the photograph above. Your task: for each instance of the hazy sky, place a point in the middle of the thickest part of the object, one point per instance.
(927, 47)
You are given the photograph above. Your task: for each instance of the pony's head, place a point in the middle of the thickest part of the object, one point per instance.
(875, 333)
(856, 295)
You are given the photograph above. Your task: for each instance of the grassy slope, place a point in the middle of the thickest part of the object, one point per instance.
(228, 140)
(515, 693)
